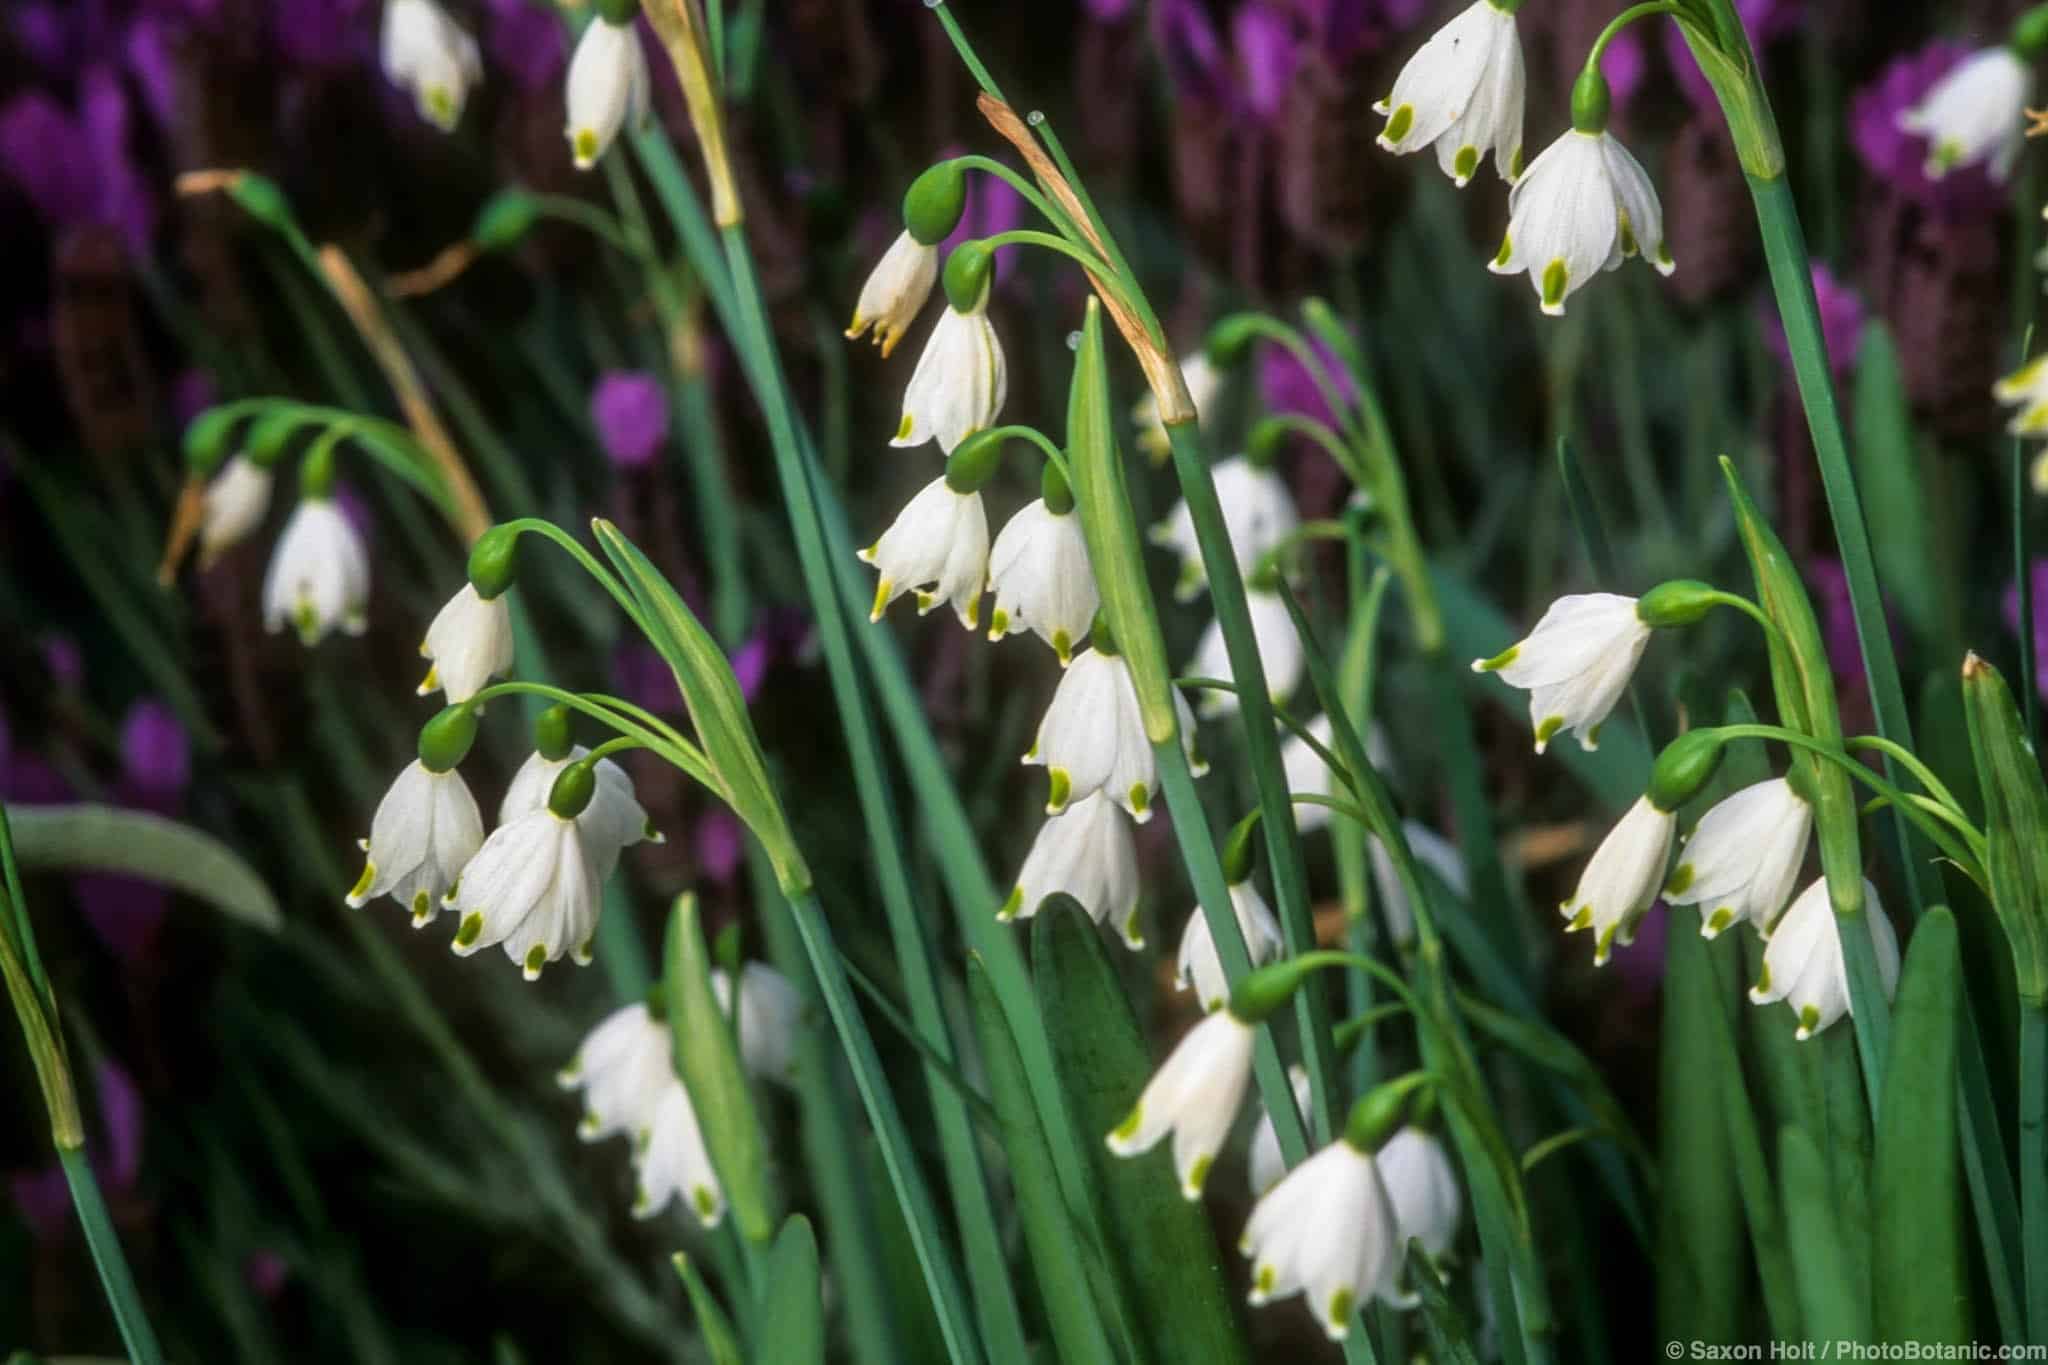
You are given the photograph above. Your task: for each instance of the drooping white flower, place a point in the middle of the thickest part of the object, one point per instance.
(622, 1068)
(1436, 854)
(1040, 575)
(425, 831)
(1424, 1187)
(1463, 91)
(1280, 652)
(1575, 664)
(1087, 851)
(427, 53)
(1258, 512)
(1264, 1162)
(1093, 737)
(233, 506)
(959, 384)
(1199, 965)
(1584, 206)
(770, 1013)
(1743, 858)
(895, 293)
(937, 546)
(1194, 1096)
(1622, 879)
(1308, 775)
(674, 1163)
(2027, 390)
(1204, 381)
(1803, 960)
(613, 821)
(319, 575)
(531, 887)
(1327, 1231)
(468, 643)
(607, 86)
(1977, 112)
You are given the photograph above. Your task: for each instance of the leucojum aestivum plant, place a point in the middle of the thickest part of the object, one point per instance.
(1047, 1174)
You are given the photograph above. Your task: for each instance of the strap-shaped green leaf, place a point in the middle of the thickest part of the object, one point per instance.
(2015, 823)
(793, 1316)
(1828, 1301)
(713, 1325)
(1450, 1339)
(138, 844)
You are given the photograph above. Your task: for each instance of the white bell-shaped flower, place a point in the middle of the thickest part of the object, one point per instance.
(1977, 112)
(1575, 665)
(1743, 858)
(1194, 1096)
(533, 888)
(622, 1068)
(1585, 205)
(1202, 969)
(1039, 573)
(1424, 1187)
(1258, 512)
(608, 87)
(1093, 737)
(895, 293)
(425, 52)
(1203, 380)
(1463, 90)
(424, 833)
(1087, 851)
(612, 822)
(319, 575)
(959, 384)
(1309, 775)
(1436, 854)
(1622, 879)
(232, 506)
(938, 547)
(770, 1013)
(2026, 389)
(1327, 1231)
(1264, 1162)
(1803, 961)
(468, 643)
(674, 1164)
(1280, 652)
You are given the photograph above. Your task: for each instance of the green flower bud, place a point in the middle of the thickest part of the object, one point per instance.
(656, 1001)
(620, 12)
(1229, 338)
(967, 275)
(261, 199)
(316, 475)
(264, 442)
(445, 740)
(1684, 768)
(1102, 639)
(974, 461)
(726, 949)
(1680, 602)
(2030, 33)
(505, 220)
(1264, 991)
(937, 198)
(1052, 486)
(552, 736)
(206, 439)
(1263, 445)
(1241, 850)
(573, 789)
(1591, 100)
(1377, 1115)
(494, 561)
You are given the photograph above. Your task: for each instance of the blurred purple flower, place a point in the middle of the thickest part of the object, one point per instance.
(1109, 11)
(719, 842)
(527, 43)
(992, 206)
(1837, 619)
(76, 170)
(1625, 64)
(156, 756)
(1766, 20)
(66, 663)
(2038, 586)
(324, 33)
(192, 393)
(1641, 964)
(644, 679)
(1191, 50)
(1841, 322)
(1897, 157)
(1286, 385)
(357, 509)
(630, 412)
(44, 1197)
(151, 50)
(1267, 54)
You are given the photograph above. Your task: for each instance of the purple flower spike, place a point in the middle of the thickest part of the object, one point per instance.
(1837, 619)
(1109, 11)
(156, 756)
(526, 43)
(1266, 56)
(1898, 157)
(631, 414)
(2039, 586)
(43, 150)
(325, 33)
(1287, 386)
(719, 842)
(66, 662)
(1841, 322)
(644, 679)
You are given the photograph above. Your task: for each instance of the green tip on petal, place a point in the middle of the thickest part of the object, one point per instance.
(1128, 1129)
(1718, 921)
(1506, 252)
(1264, 1280)
(1556, 276)
(536, 958)
(1012, 905)
(998, 624)
(1198, 1176)
(585, 146)
(1062, 788)
(1397, 126)
(707, 1205)
(1141, 800)
(1466, 162)
(1763, 980)
(1581, 919)
(1681, 878)
(1809, 1021)
(470, 930)
(1063, 646)
(1342, 1303)
(422, 909)
(362, 887)
(1498, 661)
(1547, 731)
(903, 428)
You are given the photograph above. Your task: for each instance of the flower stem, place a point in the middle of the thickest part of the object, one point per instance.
(2033, 1115)
(1622, 21)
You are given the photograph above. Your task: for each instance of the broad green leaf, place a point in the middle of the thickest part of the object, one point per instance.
(709, 1059)
(1058, 1256)
(712, 1323)
(793, 1313)
(1160, 1242)
(1828, 1301)
(138, 844)
(1903, 511)
(1920, 1276)
(1450, 1340)
(2015, 823)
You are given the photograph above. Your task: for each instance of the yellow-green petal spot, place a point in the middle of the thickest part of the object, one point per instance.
(1341, 1305)
(432, 681)
(442, 105)
(1466, 162)
(903, 428)
(1128, 1129)
(536, 958)
(706, 1202)
(422, 908)
(1555, 277)
(1809, 1020)
(1681, 878)
(1012, 905)
(1515, 165)
(586, 146)
(1264, 1281)
(1629, 246)
(1063, 645)
(1721, 919)
(1547, 731)
(1062, 788)
(470, 930)
(362, 886)
(1141, 799)
(1664, 257)
(1133, 934)
(882, 590)
(998, 624)
(925, 601)
(1397, 126)
(1581, 920)
(1507, 249)
(1498, 661)
(1603, 946)
(973, 613)
(1763, 980)
(1198, 1175)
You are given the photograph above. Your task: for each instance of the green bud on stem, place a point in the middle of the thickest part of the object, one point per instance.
(934, 203)
(1241, 849)
(1685, 767)
(1052, 486)
(1228, 339)
(264, 442)
(316, 475)
(974, 461)
(620, 12)
(552, 737)
(967, 275)
(1264, 991)
(494, 561)
(206, 439)
(260, 198)
(1591, 101)
(445, 740)
(1377, 1115)
(504, 220)
(2030, 33)
(1680, 602)
(574, 786)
